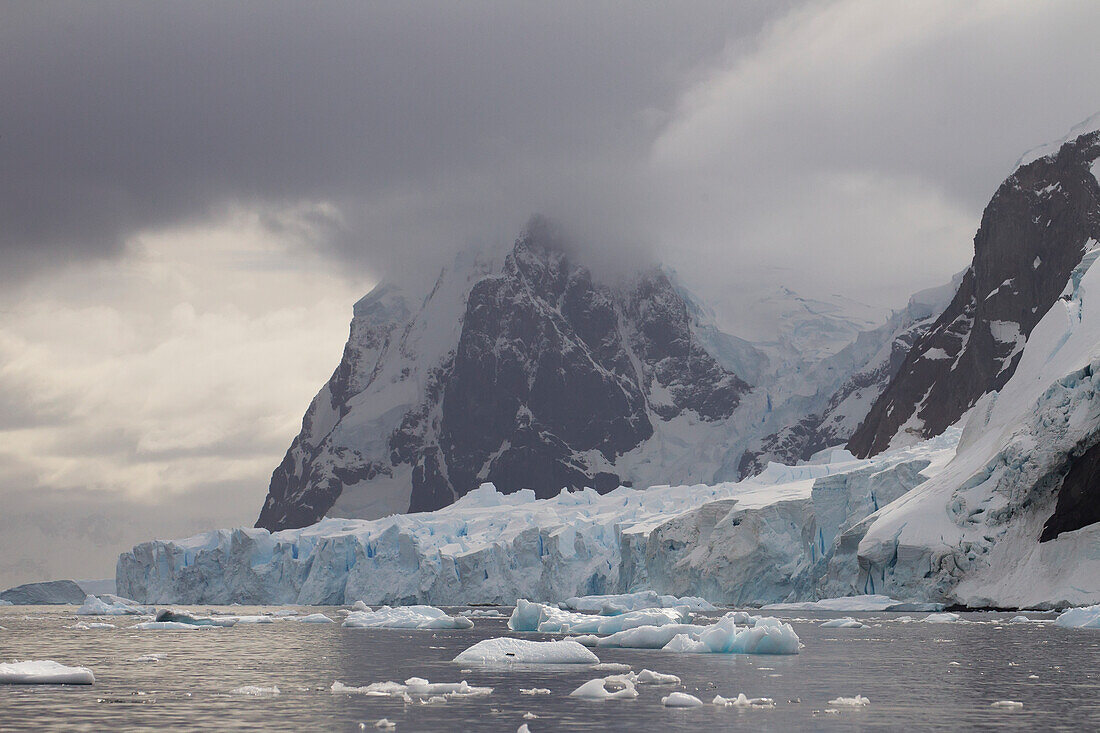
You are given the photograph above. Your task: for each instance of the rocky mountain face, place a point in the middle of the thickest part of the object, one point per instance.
(534, 377)
(1032, 235)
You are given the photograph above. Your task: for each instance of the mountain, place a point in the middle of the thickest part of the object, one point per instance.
(532, 376)
(1033, 234)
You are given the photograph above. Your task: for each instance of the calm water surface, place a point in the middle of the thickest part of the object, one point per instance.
(918, 677)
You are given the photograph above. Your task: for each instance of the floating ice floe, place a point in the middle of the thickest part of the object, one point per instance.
(529, 616)
(112, 605)
(743, 701)
(254, 691)
(385, 724)
(252, 619)
(844, 623)
(524, 651)
(534, 691)
(1007, 704)
(82, 626)
(852, 702)
(622, 689)
(45, 672)
(414, 688)
(314, 618)
(680, 700)
(483, 613)
(1086, 617)
(406, 617)
(175, 626)
(941, 618)
(615, 604)
(759, 635)
(523, 729)
(149, 658)
(872, 602)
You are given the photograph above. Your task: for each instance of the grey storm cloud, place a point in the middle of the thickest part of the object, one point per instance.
(121, 115)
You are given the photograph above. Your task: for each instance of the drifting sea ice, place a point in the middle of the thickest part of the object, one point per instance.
(596, 689)
(253, 619)
(414, 687)
(111, 605)
(406, 617)
(174, 626)
(853, 702)
(254, 691)
(529, 616)
(1086, 617)
(81, 626)
(534, 691)
(843, 623)
(524, 651)
(742, 701)
(1007, 704)
(680, 700)
(876, 602)
(941, 618)
(45, 672)
(763, 635)
(613, 605)
(314, 618)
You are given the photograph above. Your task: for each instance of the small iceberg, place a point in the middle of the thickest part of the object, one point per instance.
(759, 635)
(523, 651)
(112, 605)
(175, 620)
(529, 616)
(82, 626)
(314, 618)
(844, 623)
(1007, 704)
(743, 701)
(1086, 617)
(406, 617)
(941, 618)
(414, 687)
(44, 672)
(875, 602)
(680, 700)
(622, 689)
(534, 691)
(851, 702)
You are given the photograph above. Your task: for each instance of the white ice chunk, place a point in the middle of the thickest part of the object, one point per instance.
(524, 651)
(1007, 704)
(854, 702)
(530, 616)
(843, 623)
(171, 626)
(875, 602)
(761, 635)
(941, 618)
(45, 672)
(1087, 617)
(385, 724)
(315, 618)
(534, 691)
(406, 617)
(111, 605)
(254, 691)
(253, 619)
(149, 658)
(680, 700)
(623, 689)
(414, 687)
(743, 701)
(83, 626)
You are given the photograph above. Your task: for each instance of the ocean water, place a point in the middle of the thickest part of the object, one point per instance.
(918, 676)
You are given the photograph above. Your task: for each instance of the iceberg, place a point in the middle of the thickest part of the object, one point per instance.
(112, 605)
(523, 651)
(315, 618)
(1087, 617)
(44, 672)
(843, 623)
(760, 635)
(529, 616)
(872, 602)
(622, 689)
(406, 617)
(414, 688)
(852, 702)
(254, 691)
(680, 700)
(743, 701)
(619, 603)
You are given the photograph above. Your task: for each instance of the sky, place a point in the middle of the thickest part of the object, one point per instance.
(194, 195)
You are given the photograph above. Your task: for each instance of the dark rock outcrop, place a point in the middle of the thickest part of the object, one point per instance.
(1033, 233)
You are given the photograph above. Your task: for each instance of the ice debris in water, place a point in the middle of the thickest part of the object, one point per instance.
(524, 651)
(875, 602)
(171, 626)
(167, 617)
(1086, 617)
(406, 617)
(743, 701)
(82, 626)
(314, 618)
(611, 667)
(45, 672)
(621, 689)
(523, 729)
(843, 623)
(680, 700)
(111, 605)
(529, 616)
(853, 702)
(253, 619)
(385, 724)
(483, 613)
(534, 691)
(941, 618)
(530, 716)
(149, 658)
(254, 691)
(760, 635)
(414, 688)
(613, 605)
(1007, 704)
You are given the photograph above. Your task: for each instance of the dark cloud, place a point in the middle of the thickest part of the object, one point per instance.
(121, 115)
